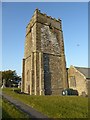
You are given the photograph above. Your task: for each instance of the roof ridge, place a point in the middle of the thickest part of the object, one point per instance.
(82, 67)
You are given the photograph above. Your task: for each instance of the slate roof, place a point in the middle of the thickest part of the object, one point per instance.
(84, 71)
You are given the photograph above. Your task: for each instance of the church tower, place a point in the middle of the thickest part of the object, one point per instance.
(44, 65)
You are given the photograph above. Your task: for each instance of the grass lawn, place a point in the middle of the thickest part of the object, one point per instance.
(10, 111)
(0, 107)
(54, 106)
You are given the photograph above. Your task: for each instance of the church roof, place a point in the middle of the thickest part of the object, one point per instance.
(84, 71)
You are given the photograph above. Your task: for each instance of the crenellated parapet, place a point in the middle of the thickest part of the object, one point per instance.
(43, 19)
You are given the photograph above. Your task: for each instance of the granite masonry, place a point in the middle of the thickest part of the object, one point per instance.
(44, 64)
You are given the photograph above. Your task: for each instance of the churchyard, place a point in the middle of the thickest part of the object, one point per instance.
(52, 106)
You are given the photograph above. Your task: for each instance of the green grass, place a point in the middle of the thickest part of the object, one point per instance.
(10, 111)
(0, 107)
(55, 106)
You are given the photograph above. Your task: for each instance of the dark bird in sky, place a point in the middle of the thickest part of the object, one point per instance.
(78, 45)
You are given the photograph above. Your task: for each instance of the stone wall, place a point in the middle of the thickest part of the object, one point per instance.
(44, 66)
(77, 81)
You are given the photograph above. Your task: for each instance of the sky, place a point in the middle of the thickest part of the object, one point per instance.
(0, 35)
(16, 16)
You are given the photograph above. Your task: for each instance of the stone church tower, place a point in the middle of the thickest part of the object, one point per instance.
(44, 66)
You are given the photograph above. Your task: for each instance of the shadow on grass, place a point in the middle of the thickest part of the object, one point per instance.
(18, 91)
(5, 114)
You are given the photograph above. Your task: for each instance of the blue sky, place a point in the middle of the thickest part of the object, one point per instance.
(16, 16)
(0, 35)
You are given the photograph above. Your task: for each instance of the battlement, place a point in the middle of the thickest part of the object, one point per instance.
(45, 15)
(43, 19)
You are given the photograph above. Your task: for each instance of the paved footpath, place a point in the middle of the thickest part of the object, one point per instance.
(25, 108)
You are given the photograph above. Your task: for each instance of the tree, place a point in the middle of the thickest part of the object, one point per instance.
(10, 77)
